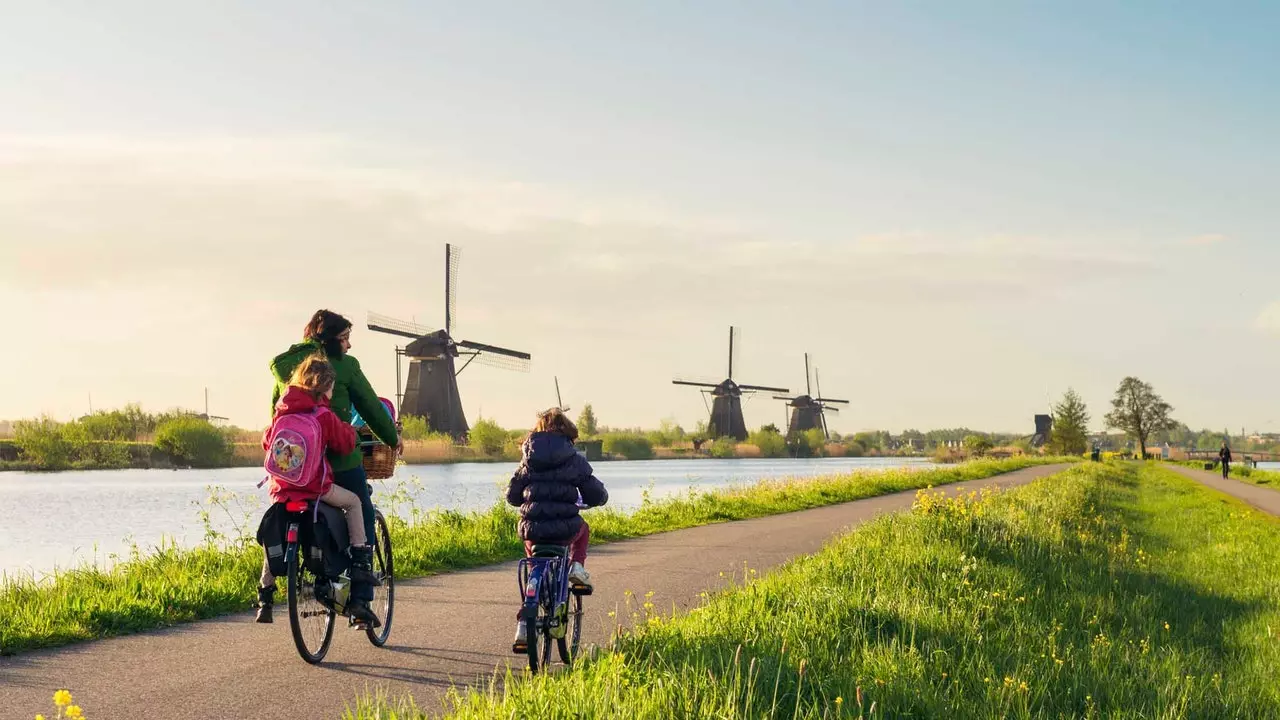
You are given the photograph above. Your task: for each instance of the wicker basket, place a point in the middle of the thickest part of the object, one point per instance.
(379, 460)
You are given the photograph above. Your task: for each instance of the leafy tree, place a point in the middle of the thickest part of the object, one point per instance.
(977, 444)
(487, 437)
(414, 427)
(194, 441)
(42, 442)
(1070, 434)
(770, 441)
(1139, 412)
(587, 426)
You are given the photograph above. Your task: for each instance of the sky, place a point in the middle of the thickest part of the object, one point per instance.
(959, 209)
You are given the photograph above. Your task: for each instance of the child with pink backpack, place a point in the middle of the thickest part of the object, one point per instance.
(301, 432)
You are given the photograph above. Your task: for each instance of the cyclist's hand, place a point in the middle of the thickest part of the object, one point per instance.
(399, 446)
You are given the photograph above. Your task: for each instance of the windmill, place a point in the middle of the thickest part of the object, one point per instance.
(726, 405)
(559, 402)
(432, 387)
(808, 411)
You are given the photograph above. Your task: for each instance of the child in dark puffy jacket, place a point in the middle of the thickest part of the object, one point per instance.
(552, 482)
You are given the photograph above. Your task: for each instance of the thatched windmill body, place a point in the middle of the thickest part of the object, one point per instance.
(432, 387)
(726, 398)
(809, 411)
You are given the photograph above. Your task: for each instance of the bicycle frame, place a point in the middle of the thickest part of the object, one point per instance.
(545, 581)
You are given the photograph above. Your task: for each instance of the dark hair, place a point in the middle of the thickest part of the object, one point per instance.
(315, 375)
(325, 327)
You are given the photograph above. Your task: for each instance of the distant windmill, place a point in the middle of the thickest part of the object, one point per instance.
(726, 406)
(432, 387)
(807, 411)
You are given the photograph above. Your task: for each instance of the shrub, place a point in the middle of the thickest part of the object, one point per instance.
(724, 447)
(414, 427)
(193, 441)
(977, 444)
(43, 443)
(770, 442)
(631, 446)
(487, 437)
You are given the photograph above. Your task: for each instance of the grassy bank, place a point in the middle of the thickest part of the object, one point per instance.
(175, 585)
(1240, 471)
(1110, 591)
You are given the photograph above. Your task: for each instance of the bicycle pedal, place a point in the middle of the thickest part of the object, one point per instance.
(519, 648)
(583, 590)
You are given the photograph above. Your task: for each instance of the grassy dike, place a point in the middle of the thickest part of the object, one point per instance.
(173, 585)
(1112, 590)
(1240, 471)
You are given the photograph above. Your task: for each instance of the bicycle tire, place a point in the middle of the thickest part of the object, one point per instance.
(384, 563)
(571, 643)
(301, 587)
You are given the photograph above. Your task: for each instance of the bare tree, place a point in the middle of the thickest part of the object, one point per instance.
(1139, 412)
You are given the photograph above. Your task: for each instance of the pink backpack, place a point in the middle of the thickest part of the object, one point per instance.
(295, 452)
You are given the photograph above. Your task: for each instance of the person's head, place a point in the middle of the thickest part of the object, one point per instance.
(331, 330)
(316, 376)
(555, 421)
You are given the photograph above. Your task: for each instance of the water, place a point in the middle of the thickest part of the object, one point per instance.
(50, 520)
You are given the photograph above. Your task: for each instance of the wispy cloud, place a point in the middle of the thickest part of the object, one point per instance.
(1206, 239)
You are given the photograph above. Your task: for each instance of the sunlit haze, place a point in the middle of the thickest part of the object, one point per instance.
(959, 211)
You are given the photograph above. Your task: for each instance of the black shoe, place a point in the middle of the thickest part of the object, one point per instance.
(360, 611)
(266, 598)
(362, 566)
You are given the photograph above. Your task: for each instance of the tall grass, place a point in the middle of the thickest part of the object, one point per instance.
(173, 585)
(1107, 591)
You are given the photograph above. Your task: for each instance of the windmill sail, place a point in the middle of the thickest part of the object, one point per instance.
(436, 359)
(726, 406)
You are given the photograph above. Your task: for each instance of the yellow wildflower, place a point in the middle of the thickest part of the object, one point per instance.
(39, 717)
(1166, 626)
(839, 700)
(74, 712)
(62, 698)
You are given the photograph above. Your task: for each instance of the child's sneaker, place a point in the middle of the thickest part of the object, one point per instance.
(579, 576)
(520, 645)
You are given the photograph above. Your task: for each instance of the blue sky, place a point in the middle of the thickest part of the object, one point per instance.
(961, 208)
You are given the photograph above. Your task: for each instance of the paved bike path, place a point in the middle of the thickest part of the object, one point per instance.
(448, 629)
(1262, 498)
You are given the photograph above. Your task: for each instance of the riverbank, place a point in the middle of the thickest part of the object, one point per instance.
(1240, 471)
(174, 585)
(1108, 589)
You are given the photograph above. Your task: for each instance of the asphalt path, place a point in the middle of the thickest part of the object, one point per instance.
(452, 629)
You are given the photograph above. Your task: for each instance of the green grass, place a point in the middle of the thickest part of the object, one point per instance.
(1240, 471)
(176, 585)
(1116, 591)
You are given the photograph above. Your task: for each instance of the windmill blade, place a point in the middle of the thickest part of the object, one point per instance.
(494, 349)
(764, 388)
(695, 383)
(808, 386)
(452, 258)
(559, 402)
(500, 361)
(831, 400)
(830, 409)
(392, 326)
(735, 348)
(825, 432)
(788, 398)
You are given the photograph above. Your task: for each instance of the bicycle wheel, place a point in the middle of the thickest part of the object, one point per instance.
(572, 640)
(538, 634)
(384, 597)
(310, 621)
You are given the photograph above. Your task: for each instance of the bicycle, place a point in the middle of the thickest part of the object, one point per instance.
(552, 607)
(317, 597)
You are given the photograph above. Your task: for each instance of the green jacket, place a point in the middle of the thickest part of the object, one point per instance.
(350, 389)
